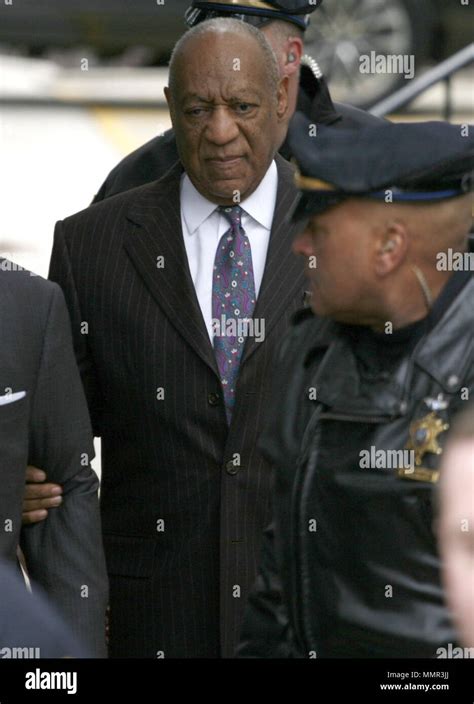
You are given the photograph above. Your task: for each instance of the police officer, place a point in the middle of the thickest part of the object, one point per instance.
(283, 22)
(365, 392)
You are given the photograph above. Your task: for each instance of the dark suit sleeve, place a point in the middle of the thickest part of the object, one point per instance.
(266, 631)
(30, 621)
(64, 554)
(148, 163)
(60, 271)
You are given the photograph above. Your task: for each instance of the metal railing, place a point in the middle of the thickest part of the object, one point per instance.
(442, 72)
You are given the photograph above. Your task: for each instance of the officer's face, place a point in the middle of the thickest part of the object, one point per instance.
(337, 247)
(226, 117)
(456, 533)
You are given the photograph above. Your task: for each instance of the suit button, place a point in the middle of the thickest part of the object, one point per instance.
(214, 399)
(231, 468)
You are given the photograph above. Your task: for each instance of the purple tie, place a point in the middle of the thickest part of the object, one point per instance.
(233, 301)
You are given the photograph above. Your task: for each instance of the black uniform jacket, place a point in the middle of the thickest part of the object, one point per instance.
(350, 565)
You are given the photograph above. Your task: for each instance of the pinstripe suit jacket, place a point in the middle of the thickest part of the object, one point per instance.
(184, 498)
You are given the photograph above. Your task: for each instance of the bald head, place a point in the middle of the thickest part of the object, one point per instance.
(228, 107)
(191, 46)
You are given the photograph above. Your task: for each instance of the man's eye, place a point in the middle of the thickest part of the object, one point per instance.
(195, 112)
(243, 107)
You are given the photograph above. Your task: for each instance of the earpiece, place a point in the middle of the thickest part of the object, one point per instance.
(389, 246)
(291, 58)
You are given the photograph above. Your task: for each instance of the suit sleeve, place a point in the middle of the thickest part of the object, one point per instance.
(60, 271)
(64, 554)
(266, 631)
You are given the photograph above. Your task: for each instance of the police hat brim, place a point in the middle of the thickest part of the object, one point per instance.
(311, 203)
(201, 11)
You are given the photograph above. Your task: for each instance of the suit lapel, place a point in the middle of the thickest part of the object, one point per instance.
(159, 235)
(283, 275)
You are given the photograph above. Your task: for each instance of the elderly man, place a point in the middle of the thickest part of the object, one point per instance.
(179, 292)
(457, 525)
(350, 566)
(284, 23)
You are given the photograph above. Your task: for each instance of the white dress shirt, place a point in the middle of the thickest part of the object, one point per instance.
(203, 227)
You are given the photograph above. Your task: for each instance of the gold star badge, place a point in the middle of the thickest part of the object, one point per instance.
(423, 436)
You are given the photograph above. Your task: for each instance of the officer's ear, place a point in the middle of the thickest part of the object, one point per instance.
(391, 246)
(294, 52)
(282, 98)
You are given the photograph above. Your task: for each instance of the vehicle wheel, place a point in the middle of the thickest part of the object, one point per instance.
(342, 31)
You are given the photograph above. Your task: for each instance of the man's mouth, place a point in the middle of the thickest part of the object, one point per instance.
(225, 160)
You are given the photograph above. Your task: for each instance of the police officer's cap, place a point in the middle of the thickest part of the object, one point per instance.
(257, 12)
(393, 162)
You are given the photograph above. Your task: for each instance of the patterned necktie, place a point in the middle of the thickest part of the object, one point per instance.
(233, 301)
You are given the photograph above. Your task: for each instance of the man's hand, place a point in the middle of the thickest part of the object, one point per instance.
(38, 496)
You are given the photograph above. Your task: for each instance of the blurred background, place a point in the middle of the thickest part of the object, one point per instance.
(81, 85)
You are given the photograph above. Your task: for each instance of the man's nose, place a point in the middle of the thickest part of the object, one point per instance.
(222, 127)
(303, 244)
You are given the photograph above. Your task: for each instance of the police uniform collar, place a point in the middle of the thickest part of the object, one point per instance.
(445, 354)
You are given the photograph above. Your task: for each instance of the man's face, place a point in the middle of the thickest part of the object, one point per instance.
(337, 245)
(457, 534)
(225, 115)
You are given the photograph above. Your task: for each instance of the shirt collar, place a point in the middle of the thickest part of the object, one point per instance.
(194, 207)
(260, 205)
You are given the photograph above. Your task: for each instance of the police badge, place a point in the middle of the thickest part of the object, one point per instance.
(423, 439)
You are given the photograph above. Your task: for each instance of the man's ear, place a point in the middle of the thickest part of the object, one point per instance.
(391, 247)
(294, 52)
(282, 98)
